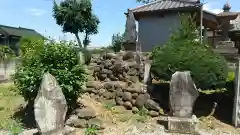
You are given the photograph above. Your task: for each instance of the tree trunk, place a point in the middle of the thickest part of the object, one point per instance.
(78, 40)
(86, 40)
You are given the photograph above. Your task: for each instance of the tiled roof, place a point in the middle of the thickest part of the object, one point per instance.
(19, 31)
(236, 24)
(165, 5)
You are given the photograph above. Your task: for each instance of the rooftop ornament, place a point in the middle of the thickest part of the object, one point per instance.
(226, 12)
(224, 19)
(226, 7)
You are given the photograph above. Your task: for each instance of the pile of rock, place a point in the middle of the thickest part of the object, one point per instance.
(117, 67)
(83, 118)
(118, 77)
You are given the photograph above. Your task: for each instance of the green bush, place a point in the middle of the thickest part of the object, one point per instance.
(183, 52)
(59, 59)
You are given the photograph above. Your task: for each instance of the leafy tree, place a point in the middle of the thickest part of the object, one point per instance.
(76, 16)
(90, 29)
(117, 40)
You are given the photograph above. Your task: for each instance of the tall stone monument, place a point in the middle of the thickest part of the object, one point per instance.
(236, 106)
(130, 34)
(50, 106)
(182, 95)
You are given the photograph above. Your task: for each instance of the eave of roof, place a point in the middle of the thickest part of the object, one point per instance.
(19, 31)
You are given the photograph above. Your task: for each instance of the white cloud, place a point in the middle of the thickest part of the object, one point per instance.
(36, 12)
(208, 7)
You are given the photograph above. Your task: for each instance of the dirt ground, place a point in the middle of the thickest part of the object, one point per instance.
(119, 121)
(116, 119)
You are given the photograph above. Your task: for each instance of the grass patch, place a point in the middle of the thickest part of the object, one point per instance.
(109, 105)
(9, 101)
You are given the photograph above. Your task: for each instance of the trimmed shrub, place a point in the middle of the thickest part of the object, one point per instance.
(183, 52)
(59, 59)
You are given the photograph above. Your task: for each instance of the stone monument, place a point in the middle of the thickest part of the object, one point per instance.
(130, 35)
(182, 96)
(50, 106)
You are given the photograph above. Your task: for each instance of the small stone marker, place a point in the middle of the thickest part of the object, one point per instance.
(50, 106)
(147, 75)
(183, 94)
(138, 58)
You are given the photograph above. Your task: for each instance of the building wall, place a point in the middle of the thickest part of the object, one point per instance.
(13, 42)
(156, 30)
(2, 41)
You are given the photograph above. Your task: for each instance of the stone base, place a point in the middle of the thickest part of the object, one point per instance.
(61, 131)
(129, 46)
(182, 125)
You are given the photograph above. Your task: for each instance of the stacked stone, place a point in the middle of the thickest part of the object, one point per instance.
(83, 118)
(113, 67)
(118, 77)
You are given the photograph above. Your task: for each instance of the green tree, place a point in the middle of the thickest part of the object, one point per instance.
(76, 16)
(117, 40)
(90, 29)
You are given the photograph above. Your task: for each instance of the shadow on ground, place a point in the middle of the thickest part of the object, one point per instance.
(203, 105)
(26, 116)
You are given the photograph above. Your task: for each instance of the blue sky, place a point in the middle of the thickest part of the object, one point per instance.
(37, 14)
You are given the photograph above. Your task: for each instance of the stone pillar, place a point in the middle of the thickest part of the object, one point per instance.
(236, 106)
(225, 30)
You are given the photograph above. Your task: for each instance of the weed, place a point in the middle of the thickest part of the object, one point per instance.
(142, 111)
(92, 130)
(109, 106)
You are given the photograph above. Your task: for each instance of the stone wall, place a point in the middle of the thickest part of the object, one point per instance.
(119, 77)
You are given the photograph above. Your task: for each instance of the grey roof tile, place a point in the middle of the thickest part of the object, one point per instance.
(18, 31)
(164, 5)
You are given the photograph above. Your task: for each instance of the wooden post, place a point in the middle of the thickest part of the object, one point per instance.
(238, 46)
(213, 39)
(201, 22)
